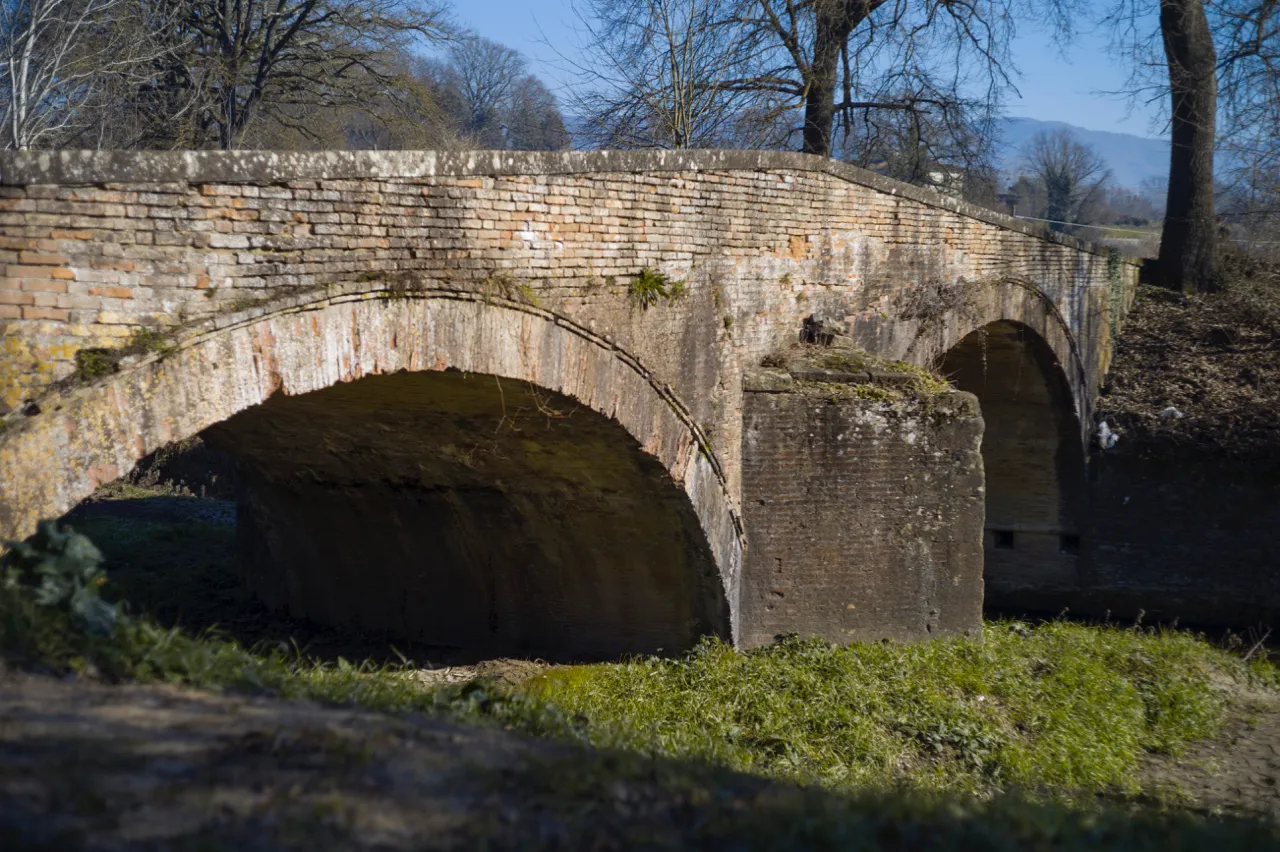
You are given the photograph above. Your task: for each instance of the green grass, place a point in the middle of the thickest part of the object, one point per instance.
(47, 639)
(1058, 705)
(901, 736)
(1057, 711)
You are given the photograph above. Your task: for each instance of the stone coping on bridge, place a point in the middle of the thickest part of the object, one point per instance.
(80, 168)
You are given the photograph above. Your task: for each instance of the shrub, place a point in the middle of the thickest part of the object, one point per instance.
(62, 569)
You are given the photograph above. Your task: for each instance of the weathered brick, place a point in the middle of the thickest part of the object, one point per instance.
(42, 259)
(15, 297)
(30, 312)
(21, 271)
(44, 285)
(114, 292)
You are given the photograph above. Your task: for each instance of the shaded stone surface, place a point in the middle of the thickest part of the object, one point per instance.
(1034, 464)
(467, 511)
(1193, 539)
(863, 505)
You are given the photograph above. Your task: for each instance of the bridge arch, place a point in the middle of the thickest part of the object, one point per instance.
(1033, 456)
(494, 434)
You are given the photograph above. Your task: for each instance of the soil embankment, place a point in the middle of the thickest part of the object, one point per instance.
(1184, 509)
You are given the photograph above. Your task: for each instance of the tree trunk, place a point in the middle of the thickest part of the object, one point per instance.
(1189, 245)
(833, 22)
(819, 99)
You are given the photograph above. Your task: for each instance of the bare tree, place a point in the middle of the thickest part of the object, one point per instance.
(833, 75)
(231, 62)
(1072, 174)
(406, 114)
(486, 98)
(656, 72)
(1026, 197)
(57, 57)
(948, 149)
(1189, 243)
(493, 100)
(845, 60)
(1214, 62)
(533, 118)
(484, 75)
(1249, 127)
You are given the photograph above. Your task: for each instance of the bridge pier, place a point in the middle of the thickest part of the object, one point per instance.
(863, 502)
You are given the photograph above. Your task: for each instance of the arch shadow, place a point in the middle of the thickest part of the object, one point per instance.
(1034, 461)
(464, 469)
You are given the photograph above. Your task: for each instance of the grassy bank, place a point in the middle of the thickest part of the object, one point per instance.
(1053, 706)
(1056, 705)
(1057, 713)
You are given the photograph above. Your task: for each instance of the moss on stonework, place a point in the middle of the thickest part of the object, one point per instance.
(839, 391)
(926, 380)
(841, 371)
(146, 341)
(94, 362)
(851, 360)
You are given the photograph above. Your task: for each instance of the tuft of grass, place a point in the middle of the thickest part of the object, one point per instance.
(651, 286)
(926, 381)
(145, 340)
(1058, 705)
(95, 362)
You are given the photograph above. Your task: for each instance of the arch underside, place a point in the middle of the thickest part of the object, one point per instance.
(1057, 325)
(458, 471)
(1033, 460)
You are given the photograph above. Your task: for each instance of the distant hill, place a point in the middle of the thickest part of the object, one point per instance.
(1132, 159)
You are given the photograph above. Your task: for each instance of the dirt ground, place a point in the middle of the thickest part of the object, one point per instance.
(1212, 358)
(88, 766)
(1237, 773)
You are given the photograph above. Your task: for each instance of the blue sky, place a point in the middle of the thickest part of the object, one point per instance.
(1053, 87)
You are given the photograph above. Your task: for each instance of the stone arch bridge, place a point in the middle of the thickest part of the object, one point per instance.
(520, 401)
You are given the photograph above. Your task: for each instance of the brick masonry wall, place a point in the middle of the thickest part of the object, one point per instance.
(863, 516)
(97, 245)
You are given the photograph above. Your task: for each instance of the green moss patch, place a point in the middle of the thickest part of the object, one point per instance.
(842, 371)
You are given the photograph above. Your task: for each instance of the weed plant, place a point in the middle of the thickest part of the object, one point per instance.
(651, 287)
